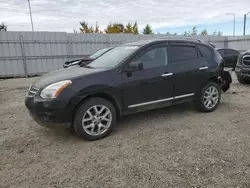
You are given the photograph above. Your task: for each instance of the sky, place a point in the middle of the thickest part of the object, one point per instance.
(162, 15)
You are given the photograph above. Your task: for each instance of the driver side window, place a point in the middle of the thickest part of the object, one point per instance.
(156, 57)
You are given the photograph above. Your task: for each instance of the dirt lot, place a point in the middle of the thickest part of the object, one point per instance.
(171, 147)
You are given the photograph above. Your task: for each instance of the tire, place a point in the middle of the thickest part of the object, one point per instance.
(202, 104)
(96, 126)
(242, 80)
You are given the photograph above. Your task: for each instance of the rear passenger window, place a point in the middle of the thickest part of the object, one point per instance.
(181, 53)
(207, 53)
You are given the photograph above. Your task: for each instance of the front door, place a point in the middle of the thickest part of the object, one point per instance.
(153, 83)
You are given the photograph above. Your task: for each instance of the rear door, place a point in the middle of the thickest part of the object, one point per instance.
(188, 67)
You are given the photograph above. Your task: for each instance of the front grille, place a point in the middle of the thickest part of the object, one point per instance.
(246, 60)
(32, 91)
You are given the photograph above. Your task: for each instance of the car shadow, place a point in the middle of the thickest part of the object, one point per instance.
(133, 121)
(142, 118)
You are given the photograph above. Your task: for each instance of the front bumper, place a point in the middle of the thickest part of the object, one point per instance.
(52, 114)
(242, 71)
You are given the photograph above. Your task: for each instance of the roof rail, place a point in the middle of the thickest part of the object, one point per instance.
(180, 37)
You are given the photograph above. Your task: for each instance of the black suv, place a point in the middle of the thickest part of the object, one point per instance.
(130, 78)
(242, 69)
(230, 56)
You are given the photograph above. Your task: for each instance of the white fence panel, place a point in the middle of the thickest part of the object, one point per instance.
(35, 53)
(239, 43)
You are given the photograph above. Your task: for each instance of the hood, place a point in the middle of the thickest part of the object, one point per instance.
(63, 74)
(246, 52)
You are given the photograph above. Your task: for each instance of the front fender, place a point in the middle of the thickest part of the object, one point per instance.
(109, 93)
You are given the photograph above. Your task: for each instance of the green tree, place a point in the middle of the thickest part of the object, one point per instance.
(85, 28)
(219, 33)
(204, 32)
(147, 30)
(115, 28)
(3, 27)
(194, 31)
(135, 28)
(214, 33)
(186, 33)
(128, 28)
(97, 28)
(168, 33)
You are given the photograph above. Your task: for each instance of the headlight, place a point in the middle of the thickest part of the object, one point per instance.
(53, 90)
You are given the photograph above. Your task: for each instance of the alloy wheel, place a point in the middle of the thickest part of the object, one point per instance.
(96, 120)
(211, 97)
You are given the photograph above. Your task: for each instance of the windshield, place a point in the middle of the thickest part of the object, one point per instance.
(113, 57)
(99, 53)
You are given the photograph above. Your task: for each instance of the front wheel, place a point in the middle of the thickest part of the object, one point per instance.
(95, 119)
(209, 98)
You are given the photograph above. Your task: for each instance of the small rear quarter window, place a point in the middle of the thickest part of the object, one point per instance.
(207, 53)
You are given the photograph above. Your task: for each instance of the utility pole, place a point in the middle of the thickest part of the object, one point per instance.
(31, 16)
(234, 22)
(245, 20)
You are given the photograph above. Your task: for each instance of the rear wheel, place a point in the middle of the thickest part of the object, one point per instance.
(209, 98)
(95, 119)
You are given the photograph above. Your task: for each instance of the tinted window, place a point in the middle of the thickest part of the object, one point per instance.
(231, 52)
(207, 53)
(154, 58)
(217, 57)
(181, 53)
(222, 52)
(113, 57)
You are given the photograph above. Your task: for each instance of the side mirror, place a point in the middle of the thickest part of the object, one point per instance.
(134, 65)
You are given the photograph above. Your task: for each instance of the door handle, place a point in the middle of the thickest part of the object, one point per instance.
(203, 68)
(167, 74)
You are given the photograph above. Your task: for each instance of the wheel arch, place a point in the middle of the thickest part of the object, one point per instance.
(213, 79)
(107, 96)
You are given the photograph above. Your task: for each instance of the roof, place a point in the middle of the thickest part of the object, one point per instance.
(181, 39)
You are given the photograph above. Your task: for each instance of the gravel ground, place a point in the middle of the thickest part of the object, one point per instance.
(170, 147)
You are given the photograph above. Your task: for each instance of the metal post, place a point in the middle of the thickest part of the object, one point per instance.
(31, 16)
(234, 22)
(245, 22)
(23, 56)
(69, 48)
(234, 26)
(244, 28)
